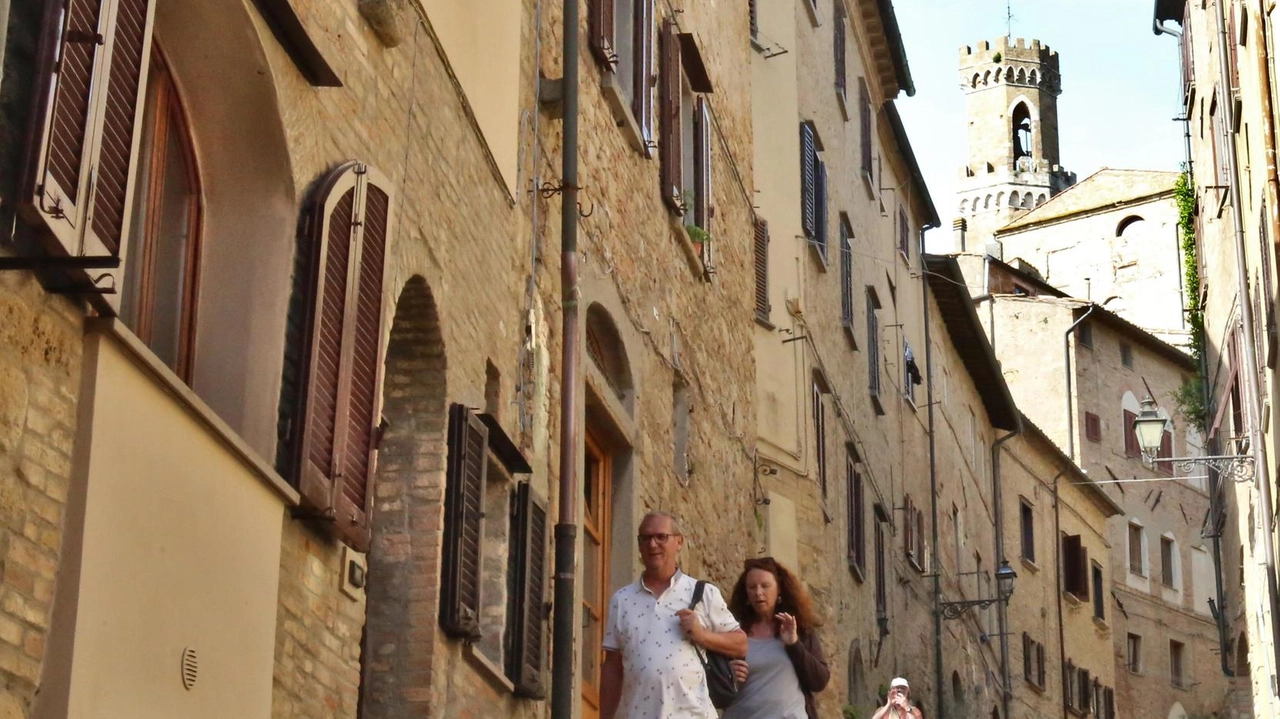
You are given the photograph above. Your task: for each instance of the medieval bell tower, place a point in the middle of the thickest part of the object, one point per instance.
(1011, 91)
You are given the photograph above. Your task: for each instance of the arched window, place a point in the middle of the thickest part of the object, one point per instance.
(1015, 200)
(1040, 200)
(1022, 75)
(999, 199)
(605, 348)
(957, 692)
(1021, 131)
(1032, 77)
(1130, 226)
(158, 301)
(1008, 75)
(986, 77)
(976, 77)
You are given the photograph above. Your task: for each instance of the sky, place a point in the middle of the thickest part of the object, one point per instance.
(1119, 85)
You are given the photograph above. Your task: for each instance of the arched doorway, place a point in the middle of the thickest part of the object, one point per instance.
(402, 556)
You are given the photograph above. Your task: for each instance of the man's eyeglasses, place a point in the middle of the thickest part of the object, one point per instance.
(659, 538)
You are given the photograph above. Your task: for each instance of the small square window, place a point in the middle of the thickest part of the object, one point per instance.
(1084, 335)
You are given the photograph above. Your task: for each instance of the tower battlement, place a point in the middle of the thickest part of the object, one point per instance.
(1009, 60)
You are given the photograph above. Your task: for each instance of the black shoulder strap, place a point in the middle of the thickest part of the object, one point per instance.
(697, 593)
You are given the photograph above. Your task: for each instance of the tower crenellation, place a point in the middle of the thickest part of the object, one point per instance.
(1011, 88)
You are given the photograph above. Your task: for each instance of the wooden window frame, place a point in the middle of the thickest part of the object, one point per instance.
(846, 276)
(820, 436)
(1168, 562)
(857, 538)
(1177, 664)
(1133, 653)
(170, 119)
(1098, 581)
(1137, 550)
(881, 562)
(1026, 517)
(1075, 567)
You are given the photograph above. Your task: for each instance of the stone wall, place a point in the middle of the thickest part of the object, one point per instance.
(40, 353)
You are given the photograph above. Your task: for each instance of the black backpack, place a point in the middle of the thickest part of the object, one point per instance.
(720, 682)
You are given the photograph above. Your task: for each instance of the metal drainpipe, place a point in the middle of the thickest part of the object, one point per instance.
(1066, 355)
(562, 665)
(1262, 475)
(1002, 608)
(1057, 586)
(933, 505)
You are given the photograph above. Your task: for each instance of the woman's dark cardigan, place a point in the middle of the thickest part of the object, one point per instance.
(811, 669)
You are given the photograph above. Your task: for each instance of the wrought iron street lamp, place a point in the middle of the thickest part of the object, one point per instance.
(1004, 590)
(1149, 427)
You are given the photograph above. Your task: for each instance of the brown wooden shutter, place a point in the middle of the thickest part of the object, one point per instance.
(526, 655)
(121, 121)
(670, 153)
(762, 269)
(463, 527)
(600, 25)
(755, 18)
(808, 180)
(820, 207)
(1028, 648)
(839, 45)
(1040, 665)
(864, 115)
(1131, 446)
(1165, 452)
(909, 526)
(642, 97)
(1092, 427)
(96, 54)
(349, 221)
(702, 164)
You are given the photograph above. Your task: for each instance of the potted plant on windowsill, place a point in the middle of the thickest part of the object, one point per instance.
(697, 235)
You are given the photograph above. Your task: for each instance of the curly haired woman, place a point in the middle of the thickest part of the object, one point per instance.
(785, 665)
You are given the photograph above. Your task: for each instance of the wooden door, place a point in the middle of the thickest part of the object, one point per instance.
(597, 498)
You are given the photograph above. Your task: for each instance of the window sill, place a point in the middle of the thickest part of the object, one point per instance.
(1030, 565)
(869, 182)
(755, 45)
(1072, 600)
(620, 107)
(911, 402)
(1037, 688)
(906, 259)
(147, 361)
(763, 321)
(857, 573)
(691, 250)
(1102, 624)
(842, 99)
(876, 404)
(490, 670)
(850, 335)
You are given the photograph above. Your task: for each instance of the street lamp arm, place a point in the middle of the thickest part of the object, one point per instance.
(1237, 467)
(953, 610)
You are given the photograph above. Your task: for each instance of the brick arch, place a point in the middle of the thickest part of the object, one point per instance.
(403, 581)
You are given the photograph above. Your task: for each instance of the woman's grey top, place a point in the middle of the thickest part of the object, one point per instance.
(772, 689)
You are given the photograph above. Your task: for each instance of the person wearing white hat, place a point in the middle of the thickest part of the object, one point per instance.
(899, 704)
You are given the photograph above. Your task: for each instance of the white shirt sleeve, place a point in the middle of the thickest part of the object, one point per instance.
(612, 632)
(718, 617)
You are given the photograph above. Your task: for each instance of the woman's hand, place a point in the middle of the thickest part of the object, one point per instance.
(739, 667)
(787, 631)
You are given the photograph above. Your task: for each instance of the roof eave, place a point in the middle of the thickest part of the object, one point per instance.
(897, 49)
(909, 155)
(998, 401)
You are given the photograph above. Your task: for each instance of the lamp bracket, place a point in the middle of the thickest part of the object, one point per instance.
(953, 610)
(1236, 467)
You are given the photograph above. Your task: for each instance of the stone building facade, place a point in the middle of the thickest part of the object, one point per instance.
(1054, 628)
(1111, 238)
(1151, 592)
(1228, 102)
(173, 433)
